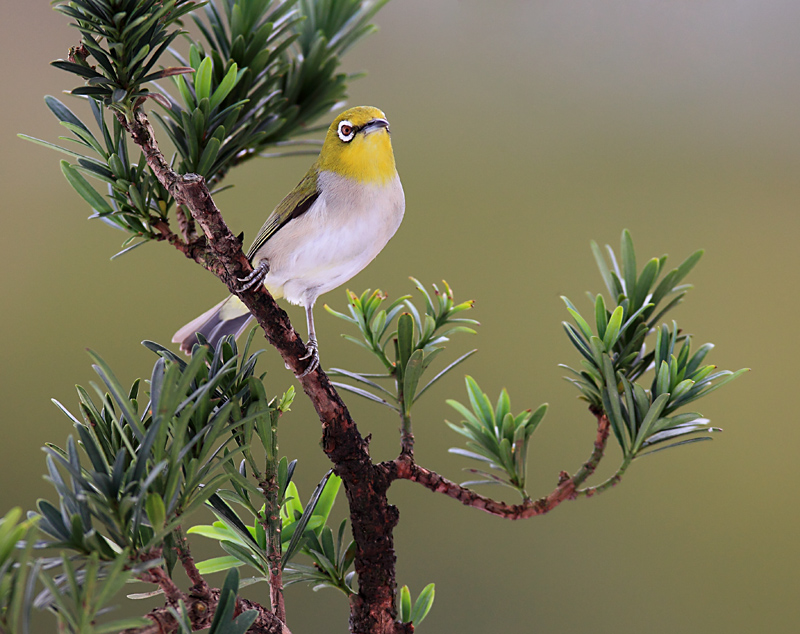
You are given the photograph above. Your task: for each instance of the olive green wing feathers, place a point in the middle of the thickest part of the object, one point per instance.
(296, 203)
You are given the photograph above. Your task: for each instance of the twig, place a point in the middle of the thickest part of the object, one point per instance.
(271, 522)
(405, 469)
(199, 586)
(159, 576)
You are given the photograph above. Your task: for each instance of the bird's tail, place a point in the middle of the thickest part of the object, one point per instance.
(229, 317)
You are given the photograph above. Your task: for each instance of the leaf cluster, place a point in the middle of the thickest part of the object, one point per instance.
(80, 593)
(615, 354)
(404, 340)
(304, 530)
(148, 466)
(260, 75)
(136, 200)
(422, 605)
(17, 573)
(263, 73)
(496, 437)
(125, 38)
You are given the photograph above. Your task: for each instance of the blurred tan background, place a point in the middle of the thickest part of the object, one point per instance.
(522, 130)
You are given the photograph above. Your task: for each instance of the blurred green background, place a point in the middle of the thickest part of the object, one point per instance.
(522, 130)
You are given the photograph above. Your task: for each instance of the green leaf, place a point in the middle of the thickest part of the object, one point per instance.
(156, 512)
(480, 403)
(361, 379)
(225, 86)
(63, 113)
(86, 191)
(578, 341)
(645, 281)
(308, 511)
(202, 79)
(218, 564)
(605, 273)
(687, 265)
(600, 316)
(411, 376)
(209, 155)
(628, 263)
(364, 393)
(86, 137)
(469, 416)
(327, 497)
(52, 146)
(462, 358)
(649, 421)
(611, 401)
(580, 321)
(423, 604)
(662, 379)
(405, 339)
(405, 605)
(612, 330)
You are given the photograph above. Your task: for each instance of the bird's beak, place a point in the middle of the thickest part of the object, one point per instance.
(373, 125)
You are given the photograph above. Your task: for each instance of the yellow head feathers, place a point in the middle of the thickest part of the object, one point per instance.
(358, 146)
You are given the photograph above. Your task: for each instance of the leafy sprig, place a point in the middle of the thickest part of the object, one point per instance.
(78, 595)
(423, 605)
(260, 76)
(136, 201)
(616, 356)
(496, 437)
(125, 39)
(304, 531)
(404, 340)
(17, 572)
(148, 466)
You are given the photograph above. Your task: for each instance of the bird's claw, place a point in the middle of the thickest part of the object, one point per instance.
(312, 352)
(256, 277)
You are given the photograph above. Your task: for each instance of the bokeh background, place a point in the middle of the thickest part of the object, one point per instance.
(522, 130)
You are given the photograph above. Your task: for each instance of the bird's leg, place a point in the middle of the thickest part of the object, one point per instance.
(256, 277)
(312, 349)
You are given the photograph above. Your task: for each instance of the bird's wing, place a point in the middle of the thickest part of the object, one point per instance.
(296, 203)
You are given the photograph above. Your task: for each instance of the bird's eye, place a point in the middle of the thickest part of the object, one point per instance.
(346, 131)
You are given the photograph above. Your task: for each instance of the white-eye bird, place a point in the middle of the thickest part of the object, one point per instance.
(327, 229)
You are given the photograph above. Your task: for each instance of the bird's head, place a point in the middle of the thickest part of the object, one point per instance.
(358, 146)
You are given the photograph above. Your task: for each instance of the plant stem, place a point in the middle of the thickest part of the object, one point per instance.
(611, 482)
(272, 511)
(405, 468)
(199, 586)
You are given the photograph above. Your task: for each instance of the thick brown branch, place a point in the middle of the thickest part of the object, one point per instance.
(373, 518)
(405, 469)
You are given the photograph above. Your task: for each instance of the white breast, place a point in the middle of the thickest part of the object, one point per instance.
(342, 232)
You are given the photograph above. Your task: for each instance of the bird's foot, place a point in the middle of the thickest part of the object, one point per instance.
(312, 353)
(256, 277)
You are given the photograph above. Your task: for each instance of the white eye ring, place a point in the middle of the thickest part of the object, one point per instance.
(346, 131)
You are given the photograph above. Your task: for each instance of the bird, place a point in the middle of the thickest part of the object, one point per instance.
(327, 229)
